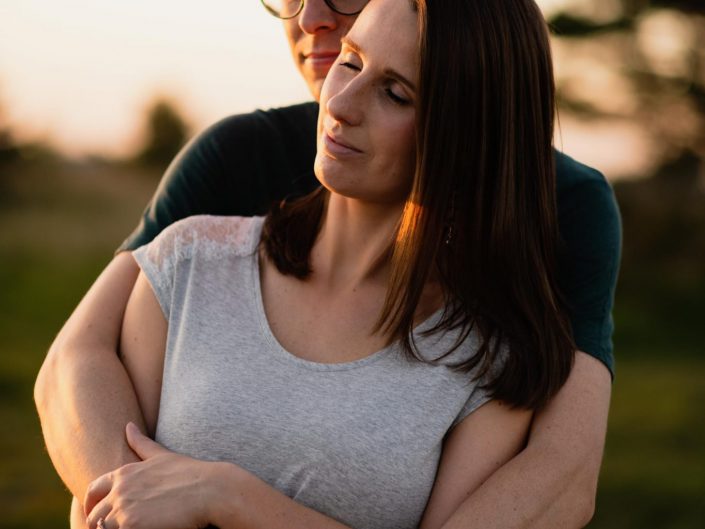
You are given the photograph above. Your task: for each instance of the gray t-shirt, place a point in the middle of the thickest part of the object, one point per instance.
(358, 441)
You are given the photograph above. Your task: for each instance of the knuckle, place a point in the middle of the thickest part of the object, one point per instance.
(128, 521)
(91, 488)
(118, 490)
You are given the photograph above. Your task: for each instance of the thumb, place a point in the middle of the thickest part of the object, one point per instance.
(142, 445)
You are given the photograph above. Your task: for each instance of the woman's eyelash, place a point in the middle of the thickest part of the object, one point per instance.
(349, 65)
(394, 97)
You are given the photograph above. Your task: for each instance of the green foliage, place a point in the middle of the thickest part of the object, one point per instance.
(654, 467)
(65, 221)
(664, 222)
(661, 291)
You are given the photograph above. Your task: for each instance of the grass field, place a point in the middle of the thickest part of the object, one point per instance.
(60, 223)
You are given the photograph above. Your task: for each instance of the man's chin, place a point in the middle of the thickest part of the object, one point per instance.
(314, 87)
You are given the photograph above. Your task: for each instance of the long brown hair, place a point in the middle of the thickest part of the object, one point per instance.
(481, 214)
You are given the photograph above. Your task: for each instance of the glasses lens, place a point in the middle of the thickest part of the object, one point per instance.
(282, 8)
(347, 7)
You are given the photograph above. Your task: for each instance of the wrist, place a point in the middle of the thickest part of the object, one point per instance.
(228, 483)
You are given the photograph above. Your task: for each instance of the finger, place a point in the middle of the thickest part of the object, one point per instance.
(142, 445)
(97, 490)
(106, 523)
(99, 515)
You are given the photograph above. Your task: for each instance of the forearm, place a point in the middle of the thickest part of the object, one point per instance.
(526, 493)
(246, 502)
(84, 420)
(553, 481)
(77, 518)
(83, 394)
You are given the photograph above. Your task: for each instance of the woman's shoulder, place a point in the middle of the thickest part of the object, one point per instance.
(205, 237)
(239, 234)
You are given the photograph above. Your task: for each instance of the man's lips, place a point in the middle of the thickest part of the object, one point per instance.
(320, 58)
(321, 54)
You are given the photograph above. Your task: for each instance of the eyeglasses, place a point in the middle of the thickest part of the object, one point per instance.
(290, 8)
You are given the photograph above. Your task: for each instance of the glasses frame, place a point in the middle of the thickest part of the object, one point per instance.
(329, 3)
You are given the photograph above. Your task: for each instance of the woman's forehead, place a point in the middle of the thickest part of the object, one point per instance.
(386, 32)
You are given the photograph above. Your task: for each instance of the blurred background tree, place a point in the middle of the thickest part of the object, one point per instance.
(8, 154)
(8, 149)
(641, 62)
(166, 131)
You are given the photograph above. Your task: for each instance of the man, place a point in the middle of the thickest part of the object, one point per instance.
(239, 166)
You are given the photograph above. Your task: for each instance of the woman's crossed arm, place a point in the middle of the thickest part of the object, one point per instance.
(169, 490)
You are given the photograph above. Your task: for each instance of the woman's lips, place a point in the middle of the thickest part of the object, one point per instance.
(337, 147)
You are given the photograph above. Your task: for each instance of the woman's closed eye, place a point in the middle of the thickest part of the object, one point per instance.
(350, 66)
(394, 95)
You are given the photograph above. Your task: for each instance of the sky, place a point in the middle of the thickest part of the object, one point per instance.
(79, 74)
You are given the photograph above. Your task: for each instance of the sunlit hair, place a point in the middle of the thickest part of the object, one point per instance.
(481, 215)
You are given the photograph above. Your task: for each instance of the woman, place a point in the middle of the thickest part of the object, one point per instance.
(415, 286)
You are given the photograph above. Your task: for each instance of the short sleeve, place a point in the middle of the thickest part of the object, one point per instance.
(479, 393)
(589, 256)
(477, 398)
(158, 261)
(167, 260)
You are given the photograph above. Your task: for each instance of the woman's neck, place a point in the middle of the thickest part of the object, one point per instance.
(354, 243)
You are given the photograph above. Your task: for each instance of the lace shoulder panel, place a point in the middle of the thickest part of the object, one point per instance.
(209, 236)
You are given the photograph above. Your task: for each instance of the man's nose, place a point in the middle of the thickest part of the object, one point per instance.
(317, 16)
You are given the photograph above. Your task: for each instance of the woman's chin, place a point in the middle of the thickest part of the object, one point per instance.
(334, 175)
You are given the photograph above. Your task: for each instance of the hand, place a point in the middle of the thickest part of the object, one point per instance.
(164, 490)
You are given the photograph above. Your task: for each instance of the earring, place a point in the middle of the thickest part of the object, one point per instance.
(450, 220)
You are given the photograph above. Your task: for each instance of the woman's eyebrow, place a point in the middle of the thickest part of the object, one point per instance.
(354, 46)
(350, 43)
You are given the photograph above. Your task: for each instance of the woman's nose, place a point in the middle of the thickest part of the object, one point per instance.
(317, 16)
(347, 105)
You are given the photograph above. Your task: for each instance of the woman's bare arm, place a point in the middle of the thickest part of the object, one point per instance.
(552, 483)
(142, 348)
(472, 452)
(83, 394)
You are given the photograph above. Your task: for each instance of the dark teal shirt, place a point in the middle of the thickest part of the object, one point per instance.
(243, 164)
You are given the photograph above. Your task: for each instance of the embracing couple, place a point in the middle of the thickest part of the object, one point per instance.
(391, 309)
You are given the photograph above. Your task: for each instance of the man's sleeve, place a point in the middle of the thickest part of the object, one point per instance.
(239, 166)
(202, 179)
(589, 256)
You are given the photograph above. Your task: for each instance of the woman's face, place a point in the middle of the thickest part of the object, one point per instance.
(366, 140)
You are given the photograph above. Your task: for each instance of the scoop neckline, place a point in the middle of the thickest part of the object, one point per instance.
(284, 355)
